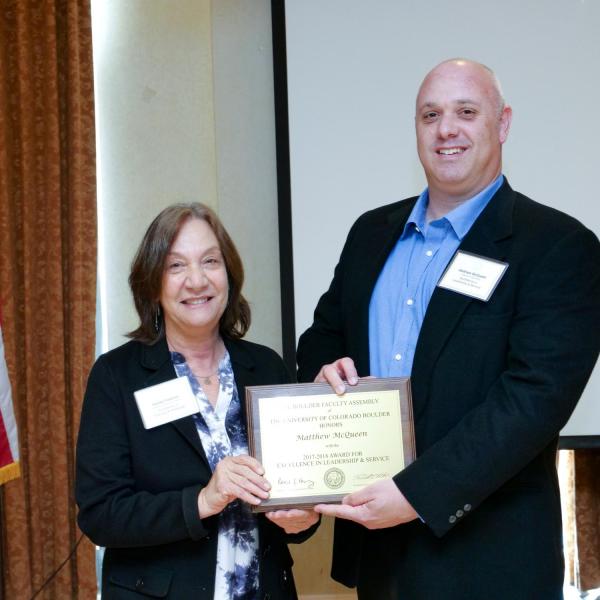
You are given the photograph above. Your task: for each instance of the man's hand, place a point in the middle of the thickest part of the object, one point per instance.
(294, 520)
(337, 374)
(234, 477)
(376, 506)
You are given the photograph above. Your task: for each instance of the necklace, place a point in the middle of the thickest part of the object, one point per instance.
(206, 379)
(203, 379)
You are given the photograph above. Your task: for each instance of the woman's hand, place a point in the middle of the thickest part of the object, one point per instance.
(234, 477)
(294, 520)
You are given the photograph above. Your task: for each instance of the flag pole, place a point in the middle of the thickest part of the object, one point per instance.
(2, 543)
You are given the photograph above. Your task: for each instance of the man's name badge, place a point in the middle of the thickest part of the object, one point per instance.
(473, 275)
(166, 402)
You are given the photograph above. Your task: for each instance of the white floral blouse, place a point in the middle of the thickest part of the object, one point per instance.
(223, 433)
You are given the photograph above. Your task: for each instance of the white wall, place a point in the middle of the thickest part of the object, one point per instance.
(245, 141)
(184, 111)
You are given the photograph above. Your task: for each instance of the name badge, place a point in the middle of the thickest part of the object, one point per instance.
(473, 275)
(166, 402)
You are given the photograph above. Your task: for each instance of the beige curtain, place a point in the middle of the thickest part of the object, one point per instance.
(587, 517)
(565, 463)
(580, 498)
(47, 282)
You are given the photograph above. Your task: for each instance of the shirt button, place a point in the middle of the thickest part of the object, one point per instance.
(452, 519)
(398, 356)
(410, 302)
(429, 253)
(459, 513)
(467, 507)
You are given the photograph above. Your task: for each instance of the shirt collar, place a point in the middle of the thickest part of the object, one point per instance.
(461, 219)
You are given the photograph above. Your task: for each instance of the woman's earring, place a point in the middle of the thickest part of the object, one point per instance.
(156, 317)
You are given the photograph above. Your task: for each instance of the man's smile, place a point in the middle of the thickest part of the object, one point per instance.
(450, 151)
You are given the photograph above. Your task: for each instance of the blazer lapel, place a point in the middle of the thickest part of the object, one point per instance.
(383, 238)
(446, 308)
(243, 370)
(158, 359)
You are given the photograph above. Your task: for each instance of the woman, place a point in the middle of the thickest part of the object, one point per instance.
(170, 502)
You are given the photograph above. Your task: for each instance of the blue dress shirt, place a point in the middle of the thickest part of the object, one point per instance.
(409, 277)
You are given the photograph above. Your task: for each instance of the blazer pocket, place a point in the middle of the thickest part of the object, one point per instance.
(483, 321)
(152, 583)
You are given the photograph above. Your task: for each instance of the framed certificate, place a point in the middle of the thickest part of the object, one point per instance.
(317, 446)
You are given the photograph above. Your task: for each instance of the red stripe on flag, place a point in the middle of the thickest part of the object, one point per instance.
(6, 456)
(9, 445)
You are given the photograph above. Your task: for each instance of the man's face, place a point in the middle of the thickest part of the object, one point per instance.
(460, 130)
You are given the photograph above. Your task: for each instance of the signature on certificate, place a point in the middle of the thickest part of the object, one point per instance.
(295, 483)
(369, 476)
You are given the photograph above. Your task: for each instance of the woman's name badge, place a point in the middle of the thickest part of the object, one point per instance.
(166, 402)
(473, 275)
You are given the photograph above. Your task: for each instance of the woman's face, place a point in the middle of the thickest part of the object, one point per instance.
(194, 289)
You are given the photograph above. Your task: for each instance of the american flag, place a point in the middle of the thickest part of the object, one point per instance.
(9, 444)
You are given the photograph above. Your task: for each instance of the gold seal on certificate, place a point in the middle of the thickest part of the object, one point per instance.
(317, 446)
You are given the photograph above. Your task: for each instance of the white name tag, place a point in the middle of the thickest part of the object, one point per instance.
(166, 402)
(473, 275)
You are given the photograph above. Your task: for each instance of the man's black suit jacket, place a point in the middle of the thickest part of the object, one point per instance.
(493, 383)
(137, 489)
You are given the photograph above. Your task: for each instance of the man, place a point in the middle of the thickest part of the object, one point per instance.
(477, 515)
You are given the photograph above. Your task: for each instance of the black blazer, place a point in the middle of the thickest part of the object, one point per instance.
(493, 383)
(137, 489)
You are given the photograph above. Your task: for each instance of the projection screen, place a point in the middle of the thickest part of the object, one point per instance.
(346, 75)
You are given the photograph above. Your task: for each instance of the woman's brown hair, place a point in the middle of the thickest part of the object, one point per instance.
(145, 278)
